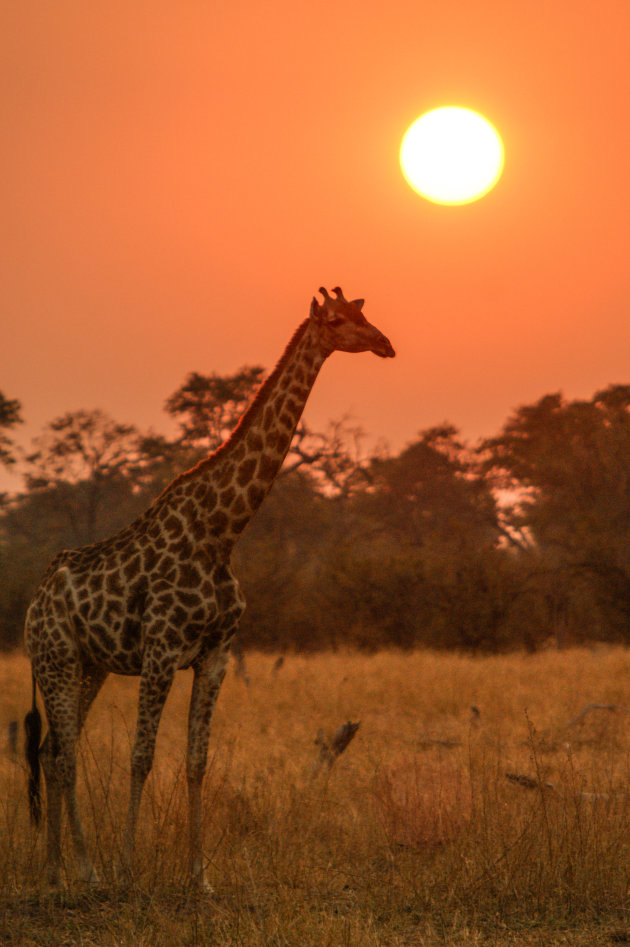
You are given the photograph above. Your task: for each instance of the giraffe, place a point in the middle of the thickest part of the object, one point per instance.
(160, 595)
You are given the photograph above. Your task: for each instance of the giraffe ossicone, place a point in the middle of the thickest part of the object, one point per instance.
(160, 595)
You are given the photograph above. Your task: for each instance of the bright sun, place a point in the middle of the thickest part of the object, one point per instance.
(452, 155)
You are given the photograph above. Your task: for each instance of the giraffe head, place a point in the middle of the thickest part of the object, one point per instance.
(342, 326)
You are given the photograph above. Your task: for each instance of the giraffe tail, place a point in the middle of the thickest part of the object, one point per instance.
(33, 728)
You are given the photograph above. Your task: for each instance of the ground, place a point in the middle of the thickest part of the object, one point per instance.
(439, 824)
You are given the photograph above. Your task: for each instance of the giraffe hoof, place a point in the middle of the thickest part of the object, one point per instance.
(122, 874)
(89, 876)
(201, 886)
(53, 877)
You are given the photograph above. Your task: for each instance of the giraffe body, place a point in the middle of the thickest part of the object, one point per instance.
(161, 595)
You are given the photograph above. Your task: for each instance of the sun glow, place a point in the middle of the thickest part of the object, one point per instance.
(452, 155)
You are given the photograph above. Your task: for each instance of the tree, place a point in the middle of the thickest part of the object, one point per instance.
(420, 557)
(568, 465)
(10, 415)
(82, 459)
(82, 484)
(335, 458)
(432, 492)
(208, 407)
(278, 561)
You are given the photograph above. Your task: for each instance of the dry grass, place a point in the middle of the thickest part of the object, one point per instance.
(415, 838)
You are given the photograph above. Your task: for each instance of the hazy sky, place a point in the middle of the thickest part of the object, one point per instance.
(179, 178)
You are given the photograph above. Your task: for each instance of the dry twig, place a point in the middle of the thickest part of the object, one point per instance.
(589, 707)
(329, 750)
(528, 782)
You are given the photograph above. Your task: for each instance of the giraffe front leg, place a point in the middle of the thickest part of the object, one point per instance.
(155, 683)
(209, 674)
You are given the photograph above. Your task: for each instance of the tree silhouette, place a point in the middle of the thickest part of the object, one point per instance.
(79, 459)
(10, 415)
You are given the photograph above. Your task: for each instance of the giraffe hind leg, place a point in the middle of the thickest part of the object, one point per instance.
(66, 706)
(91, 682)
(48, 755)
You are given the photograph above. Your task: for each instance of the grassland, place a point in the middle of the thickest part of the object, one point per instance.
(415, 837)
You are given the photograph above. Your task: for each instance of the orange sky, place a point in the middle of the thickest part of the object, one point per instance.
(179, 178)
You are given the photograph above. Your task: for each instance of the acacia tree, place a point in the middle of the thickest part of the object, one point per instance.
(208, 407)
(80, 460)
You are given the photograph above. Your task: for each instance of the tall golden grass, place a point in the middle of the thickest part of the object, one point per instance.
(416, 835)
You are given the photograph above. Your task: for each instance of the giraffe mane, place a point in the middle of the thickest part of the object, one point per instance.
(247, 418)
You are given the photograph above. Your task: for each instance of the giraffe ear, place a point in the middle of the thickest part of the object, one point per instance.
(358, 303)
(316, 310)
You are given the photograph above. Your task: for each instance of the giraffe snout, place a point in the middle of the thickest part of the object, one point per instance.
(383, 347)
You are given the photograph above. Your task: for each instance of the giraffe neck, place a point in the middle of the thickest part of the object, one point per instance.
(227, 488)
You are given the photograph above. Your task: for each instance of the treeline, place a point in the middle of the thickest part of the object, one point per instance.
(519, 540)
